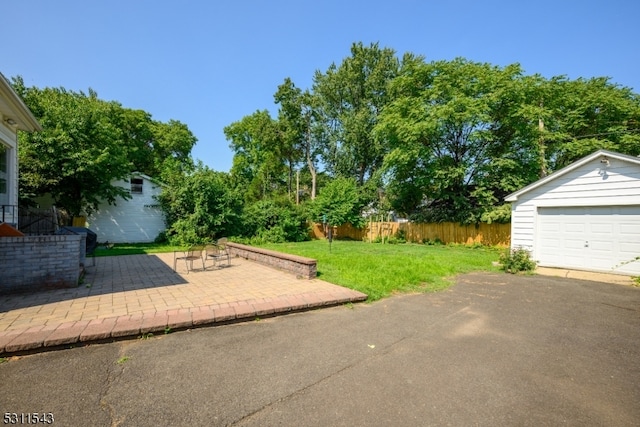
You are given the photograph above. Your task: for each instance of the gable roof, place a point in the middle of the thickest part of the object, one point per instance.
(14, 111)
(148, 178)
(609, 154)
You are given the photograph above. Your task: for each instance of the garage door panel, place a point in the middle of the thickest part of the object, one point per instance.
(602, 228)
(550, 227)
(593, 238)
(603, 264)
(574, 228)
(571, 244)
(630, 249)
(631, 228)
(601, 246)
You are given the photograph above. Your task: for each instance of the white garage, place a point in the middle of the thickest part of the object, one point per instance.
(585, 216)
(138, 219)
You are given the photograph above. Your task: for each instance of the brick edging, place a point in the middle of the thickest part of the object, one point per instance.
(301, 266)
(86, 331)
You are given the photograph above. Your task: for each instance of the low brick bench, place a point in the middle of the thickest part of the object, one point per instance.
(300, 266)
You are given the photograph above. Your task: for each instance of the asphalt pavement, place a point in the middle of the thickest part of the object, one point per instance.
(493, 350)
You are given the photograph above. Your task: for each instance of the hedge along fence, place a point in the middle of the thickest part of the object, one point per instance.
(445, 232)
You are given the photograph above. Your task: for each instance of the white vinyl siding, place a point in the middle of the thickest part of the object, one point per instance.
(8, 174)
(135, 220)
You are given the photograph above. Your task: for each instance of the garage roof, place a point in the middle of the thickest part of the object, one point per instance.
(604, 153)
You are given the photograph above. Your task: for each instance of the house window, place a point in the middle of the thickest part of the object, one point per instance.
(136, 185)
(4, 154)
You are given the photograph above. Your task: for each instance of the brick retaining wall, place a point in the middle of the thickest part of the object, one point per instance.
(300, 266)
(32, 263)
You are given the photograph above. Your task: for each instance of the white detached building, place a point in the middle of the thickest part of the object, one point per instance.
(135, 220)
(585, 216)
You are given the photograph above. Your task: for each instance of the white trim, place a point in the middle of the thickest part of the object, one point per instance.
(513, 197)
(15, 109)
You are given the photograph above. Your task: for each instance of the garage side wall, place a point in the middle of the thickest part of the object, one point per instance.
(136, 220)
(590, 185)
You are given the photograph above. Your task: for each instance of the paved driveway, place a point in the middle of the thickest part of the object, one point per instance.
(493, 350)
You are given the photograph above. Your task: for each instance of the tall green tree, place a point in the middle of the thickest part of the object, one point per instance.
(155, 148)
(78, 153)
(298, 121)
(171, 149)
(258, 164)
(592, 114)
(351, 96)
(442, 128)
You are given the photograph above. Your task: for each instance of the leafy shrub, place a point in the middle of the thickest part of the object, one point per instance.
(340, 201)
(392, 240)
(200, 207)
(162, 237)
(517, 260)
(434, 242)
(275, 221)
(497, 214)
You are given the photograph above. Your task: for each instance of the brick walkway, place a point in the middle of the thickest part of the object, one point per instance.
(137, 294)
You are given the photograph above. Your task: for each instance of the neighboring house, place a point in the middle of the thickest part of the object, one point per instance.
(14, 116)
(585, 216)
(135, 220)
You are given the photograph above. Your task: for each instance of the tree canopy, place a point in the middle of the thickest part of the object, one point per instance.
(87, 143)
(442, 140)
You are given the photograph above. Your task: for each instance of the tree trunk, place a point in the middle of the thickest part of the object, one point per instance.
(312, 168)
(541, 150)
(290, 185)
(312, 171)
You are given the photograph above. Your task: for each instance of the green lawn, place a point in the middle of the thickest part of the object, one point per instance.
(134, 249)
(381, 270)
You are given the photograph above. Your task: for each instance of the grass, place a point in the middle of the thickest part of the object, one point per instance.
(122, 360)
(135, 249)
(381, 270)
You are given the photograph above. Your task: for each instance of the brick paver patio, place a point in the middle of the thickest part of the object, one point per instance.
(136, 294)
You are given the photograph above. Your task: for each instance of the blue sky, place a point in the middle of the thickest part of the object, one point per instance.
(210, 63)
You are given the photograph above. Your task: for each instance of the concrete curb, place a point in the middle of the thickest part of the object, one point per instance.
(618, 279)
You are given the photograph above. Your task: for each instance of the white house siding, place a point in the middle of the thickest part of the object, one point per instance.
(14, 116)
(592, 184)
(136, 220)
(9, 197)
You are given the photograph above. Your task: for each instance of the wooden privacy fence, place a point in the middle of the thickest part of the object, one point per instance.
(445, 232)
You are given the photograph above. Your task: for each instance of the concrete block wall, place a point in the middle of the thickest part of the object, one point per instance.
(33, 263)
(300, 266)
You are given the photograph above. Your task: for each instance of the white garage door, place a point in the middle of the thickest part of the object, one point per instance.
(590, 238)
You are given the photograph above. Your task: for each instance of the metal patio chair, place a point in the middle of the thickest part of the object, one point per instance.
(192, 254)
(217, 252)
